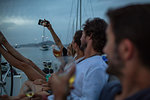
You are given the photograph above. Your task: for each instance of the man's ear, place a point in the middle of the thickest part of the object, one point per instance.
(90, 37)
(126, 49)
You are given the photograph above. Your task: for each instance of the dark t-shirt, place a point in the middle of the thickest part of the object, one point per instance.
(141, 95)
(110, 90)
(64, 51)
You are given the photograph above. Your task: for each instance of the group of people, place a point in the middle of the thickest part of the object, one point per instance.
(125, 41)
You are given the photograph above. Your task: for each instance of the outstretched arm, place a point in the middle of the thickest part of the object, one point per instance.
(31, 73)
(54, 35)
(17, 55)
(19, 61)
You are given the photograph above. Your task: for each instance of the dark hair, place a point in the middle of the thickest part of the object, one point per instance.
(77, 37)
(133, 23)
(96, 28)
(71, 50)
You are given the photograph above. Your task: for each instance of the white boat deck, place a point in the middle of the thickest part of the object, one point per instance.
(17, 83)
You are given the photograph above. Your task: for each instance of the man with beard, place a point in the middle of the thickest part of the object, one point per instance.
(128, 51)
(91, 71)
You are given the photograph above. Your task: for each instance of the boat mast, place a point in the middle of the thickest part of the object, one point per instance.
(43, 36)
(77, 16)
(80, 13)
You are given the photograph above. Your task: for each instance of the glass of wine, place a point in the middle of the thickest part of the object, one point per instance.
(30, 94)
(68, 63)
(27, 91)
(56, 51)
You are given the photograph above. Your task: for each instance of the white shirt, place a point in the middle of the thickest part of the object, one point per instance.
(68, 66)
(90, 79)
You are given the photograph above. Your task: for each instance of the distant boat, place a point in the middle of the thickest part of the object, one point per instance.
(17, 46)
(44, 47)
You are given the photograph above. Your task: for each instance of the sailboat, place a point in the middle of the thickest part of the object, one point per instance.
(44, 46)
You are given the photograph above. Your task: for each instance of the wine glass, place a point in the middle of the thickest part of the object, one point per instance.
(27, 91)
(68, 63)
(56, 51)
(30, 93)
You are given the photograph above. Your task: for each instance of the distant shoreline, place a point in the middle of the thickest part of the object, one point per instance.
(49, 43)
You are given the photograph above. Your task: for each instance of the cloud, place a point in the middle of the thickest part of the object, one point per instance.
(16, 21)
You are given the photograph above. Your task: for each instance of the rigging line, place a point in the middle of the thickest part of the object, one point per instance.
(73, 27)
(85, 11)
(73, 31)
(88, 9)
(91, 8)
(77, 15)
(68, 30)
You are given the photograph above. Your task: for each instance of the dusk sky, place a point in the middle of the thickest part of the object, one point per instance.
(19, 18)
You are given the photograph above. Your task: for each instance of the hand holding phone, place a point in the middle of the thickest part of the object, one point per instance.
(44, 23)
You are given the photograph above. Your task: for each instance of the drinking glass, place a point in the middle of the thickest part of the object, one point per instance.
(28, 91)
(67, 63)
(56, 51)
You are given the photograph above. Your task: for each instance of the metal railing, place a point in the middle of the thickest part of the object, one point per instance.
(3, 77)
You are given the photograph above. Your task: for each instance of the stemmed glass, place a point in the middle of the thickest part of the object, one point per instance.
(28, 91)
(67, 62)
(56, 51)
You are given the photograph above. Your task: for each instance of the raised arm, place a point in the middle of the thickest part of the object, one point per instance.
(54, 35)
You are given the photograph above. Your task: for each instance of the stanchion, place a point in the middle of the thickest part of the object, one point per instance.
(3, 78)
